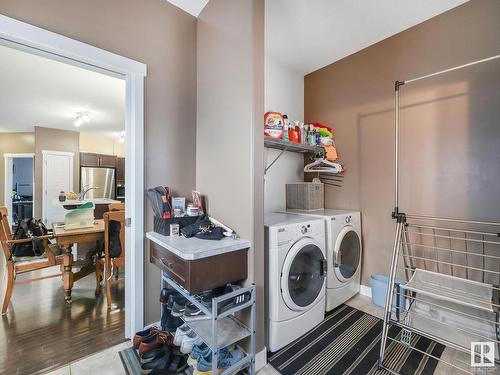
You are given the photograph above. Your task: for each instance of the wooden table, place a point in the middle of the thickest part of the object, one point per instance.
(66, 239)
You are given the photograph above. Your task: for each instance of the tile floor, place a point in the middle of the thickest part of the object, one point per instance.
(108, 361)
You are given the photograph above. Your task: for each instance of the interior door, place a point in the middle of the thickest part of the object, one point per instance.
(303, 276)
(347, 253)
(57, 176)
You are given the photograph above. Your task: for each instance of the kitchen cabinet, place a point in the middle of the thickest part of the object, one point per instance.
(120, 170)
(97, 160)
(107, 161)
(89, 160)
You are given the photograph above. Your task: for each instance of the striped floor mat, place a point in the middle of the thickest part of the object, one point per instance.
(348, 342)
(132, 364)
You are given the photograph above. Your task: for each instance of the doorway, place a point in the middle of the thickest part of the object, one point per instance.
(22, 36)
(19, 186)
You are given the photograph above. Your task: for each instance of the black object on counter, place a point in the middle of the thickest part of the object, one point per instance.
(162, 226)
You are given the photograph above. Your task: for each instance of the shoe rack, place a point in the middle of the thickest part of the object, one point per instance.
(222, 329)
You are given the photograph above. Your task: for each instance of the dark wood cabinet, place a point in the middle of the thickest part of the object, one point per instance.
(97, 160)
(107, 161)
(200, 274)
(120, 170)
(89, 160)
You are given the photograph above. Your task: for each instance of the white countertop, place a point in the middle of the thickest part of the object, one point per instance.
(195, 248)
(79, 202)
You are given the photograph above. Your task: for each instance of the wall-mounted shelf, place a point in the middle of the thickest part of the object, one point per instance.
(279, 144)
(290, 146)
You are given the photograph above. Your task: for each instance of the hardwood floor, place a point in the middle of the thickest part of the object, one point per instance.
(40, 333)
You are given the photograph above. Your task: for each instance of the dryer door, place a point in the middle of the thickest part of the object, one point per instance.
(347, 254)
(303, 275)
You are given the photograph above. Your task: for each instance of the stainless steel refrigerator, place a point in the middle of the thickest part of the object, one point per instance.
(102, 179)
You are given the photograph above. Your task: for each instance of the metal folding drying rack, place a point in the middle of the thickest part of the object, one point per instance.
(451, 272)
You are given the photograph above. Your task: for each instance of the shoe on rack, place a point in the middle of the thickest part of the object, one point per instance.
(176, 298)
(154, 354)
(156, 341)
(165, 293)
(199, 350)
(181, 332)
(160, 363)
(206, 297)
(178, 308)
(227, 358)
(177, 365)
(143, 335)
(165, 316)
(235, 301)
(192, 312)
(173, 323)
(189, 340)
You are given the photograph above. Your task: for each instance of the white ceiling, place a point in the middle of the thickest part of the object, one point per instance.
(193, 7)
(310, 34)
(37, 91)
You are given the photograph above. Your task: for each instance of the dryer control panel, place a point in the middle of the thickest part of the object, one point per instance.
(353, 219)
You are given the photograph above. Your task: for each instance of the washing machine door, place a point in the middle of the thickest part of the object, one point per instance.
(347, 254)
(303, 275)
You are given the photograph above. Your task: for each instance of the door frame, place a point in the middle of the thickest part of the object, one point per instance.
(8, 179)
(71, 156)
(45, 43)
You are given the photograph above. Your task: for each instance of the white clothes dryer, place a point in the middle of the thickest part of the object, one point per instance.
(344, 250)
(295, 277)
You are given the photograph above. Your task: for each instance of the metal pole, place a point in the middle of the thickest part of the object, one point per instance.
(396, 146)
(253, 327)
(452, 69)
(215, 345)
(463, 221)
(390, 285)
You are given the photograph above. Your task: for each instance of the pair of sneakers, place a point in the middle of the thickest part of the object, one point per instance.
(186, 338)
(200, 350)
(226, 359)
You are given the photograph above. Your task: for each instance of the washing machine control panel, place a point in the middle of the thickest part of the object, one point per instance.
(306, 228)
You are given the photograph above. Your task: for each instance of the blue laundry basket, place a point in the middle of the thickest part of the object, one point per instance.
(379, 291)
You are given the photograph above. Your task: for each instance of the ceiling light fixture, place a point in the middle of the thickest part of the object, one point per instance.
(81, 118)
(122, 137)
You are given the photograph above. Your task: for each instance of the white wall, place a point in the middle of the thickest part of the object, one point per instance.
(284, 93)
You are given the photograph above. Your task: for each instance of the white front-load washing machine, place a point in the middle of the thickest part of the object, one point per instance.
(295, 277)
(343, 249)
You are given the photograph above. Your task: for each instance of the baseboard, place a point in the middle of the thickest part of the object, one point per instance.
(365, 291)
(260, 359)
(154, 324)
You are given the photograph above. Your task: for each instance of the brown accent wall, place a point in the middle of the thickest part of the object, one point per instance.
(11, 143)
(163, 37)
(229, 163)
(450, 158)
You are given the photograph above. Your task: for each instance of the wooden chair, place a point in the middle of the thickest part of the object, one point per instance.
(116, 207)
(107, 262)
(19, 265)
